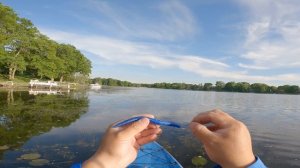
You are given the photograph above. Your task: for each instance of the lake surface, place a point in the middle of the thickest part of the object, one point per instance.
(67, 127)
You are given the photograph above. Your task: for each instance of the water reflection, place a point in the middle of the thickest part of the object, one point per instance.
(70, 126)
(23, 116)
(48, 92)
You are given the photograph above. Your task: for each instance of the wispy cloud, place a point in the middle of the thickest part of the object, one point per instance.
(273, 34)
(143, 54)
(168, 21)
(252, 67)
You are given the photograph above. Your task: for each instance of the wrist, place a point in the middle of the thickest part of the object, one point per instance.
(101, 161)
(242, 163)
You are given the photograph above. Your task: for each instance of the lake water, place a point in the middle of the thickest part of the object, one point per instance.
(67, 127)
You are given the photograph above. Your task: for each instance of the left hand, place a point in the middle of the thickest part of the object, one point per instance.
(120, 145)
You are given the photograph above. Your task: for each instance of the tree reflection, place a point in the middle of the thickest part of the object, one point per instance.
(23, 116)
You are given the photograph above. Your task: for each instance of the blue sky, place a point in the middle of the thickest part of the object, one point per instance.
(177, 41)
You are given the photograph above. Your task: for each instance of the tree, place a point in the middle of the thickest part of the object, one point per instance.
(272, 89)
(74, 61)
(16, 36)
(24, 48)
(242, 87)
(43, 58)
(220, 85)
(260, 88)
(291, 89)
(229, 86)
(207, 86)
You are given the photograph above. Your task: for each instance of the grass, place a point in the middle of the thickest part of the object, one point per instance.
(17, 81)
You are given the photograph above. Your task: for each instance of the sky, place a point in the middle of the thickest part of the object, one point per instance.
(187, 41)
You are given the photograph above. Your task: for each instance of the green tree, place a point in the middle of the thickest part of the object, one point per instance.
(74, 62)
(17, 34)
(207, 86)
(291, 89)
(44, 60)
(229, 86)
(260, 88)
(242, 87)
(220, 85)
(273, 89)
(24, 49)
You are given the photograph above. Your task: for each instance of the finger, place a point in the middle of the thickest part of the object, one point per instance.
(135, 128)
(145, 115)
(213, 128)
(150, 131)
(215, 116)
(153, 126)
(147, 139)
(201, 132)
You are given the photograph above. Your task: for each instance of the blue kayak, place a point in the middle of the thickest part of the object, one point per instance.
(152, 155)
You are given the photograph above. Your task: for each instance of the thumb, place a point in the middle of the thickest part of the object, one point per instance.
(201, 132)
(136, 127)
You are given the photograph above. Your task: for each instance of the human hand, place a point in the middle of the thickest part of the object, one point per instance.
(120, 145)
(226, 141)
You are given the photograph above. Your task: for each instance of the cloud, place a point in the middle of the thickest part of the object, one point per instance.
(151, 55)
(168, 21)
(272, 34)
(251, 67)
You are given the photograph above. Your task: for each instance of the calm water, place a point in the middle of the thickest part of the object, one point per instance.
(67, 127)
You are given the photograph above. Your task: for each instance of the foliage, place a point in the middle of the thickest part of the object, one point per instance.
(23, 115)
(243, 87)
(24, 50)
(113, 82)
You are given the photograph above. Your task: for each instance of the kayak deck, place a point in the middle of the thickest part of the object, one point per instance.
(152, 155)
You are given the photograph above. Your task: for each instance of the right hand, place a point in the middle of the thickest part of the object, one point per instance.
(226, 141)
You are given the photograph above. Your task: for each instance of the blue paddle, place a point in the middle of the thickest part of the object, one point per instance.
(152, 120)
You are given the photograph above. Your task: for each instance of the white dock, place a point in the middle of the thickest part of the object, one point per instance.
(37, 83)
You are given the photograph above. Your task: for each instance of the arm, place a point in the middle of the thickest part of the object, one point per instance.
(120, 145)
(226, 140)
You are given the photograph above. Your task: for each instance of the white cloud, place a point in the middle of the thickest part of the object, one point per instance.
(145, 54)
(273, 34)
(175, 21)
(251, 67)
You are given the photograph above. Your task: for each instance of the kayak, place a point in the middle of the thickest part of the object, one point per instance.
(153, 155)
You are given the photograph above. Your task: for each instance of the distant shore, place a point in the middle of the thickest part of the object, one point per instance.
(219, 86)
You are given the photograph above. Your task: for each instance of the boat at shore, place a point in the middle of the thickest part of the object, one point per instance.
(95, 86)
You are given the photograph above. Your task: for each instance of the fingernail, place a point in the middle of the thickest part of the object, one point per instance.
(143, 120)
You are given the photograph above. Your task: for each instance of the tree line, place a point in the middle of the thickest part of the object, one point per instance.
(24, 51)
(113, 82)
(229, 87)
(244, 87)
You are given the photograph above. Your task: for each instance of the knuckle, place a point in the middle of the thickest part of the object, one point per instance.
(119, 135)
(211, 113)
(217, 110)
(240, 125)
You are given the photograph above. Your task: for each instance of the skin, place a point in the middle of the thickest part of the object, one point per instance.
(120, 146)
(226, 140)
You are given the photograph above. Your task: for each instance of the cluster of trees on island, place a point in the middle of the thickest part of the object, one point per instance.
(218, 86)
(27, 52)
